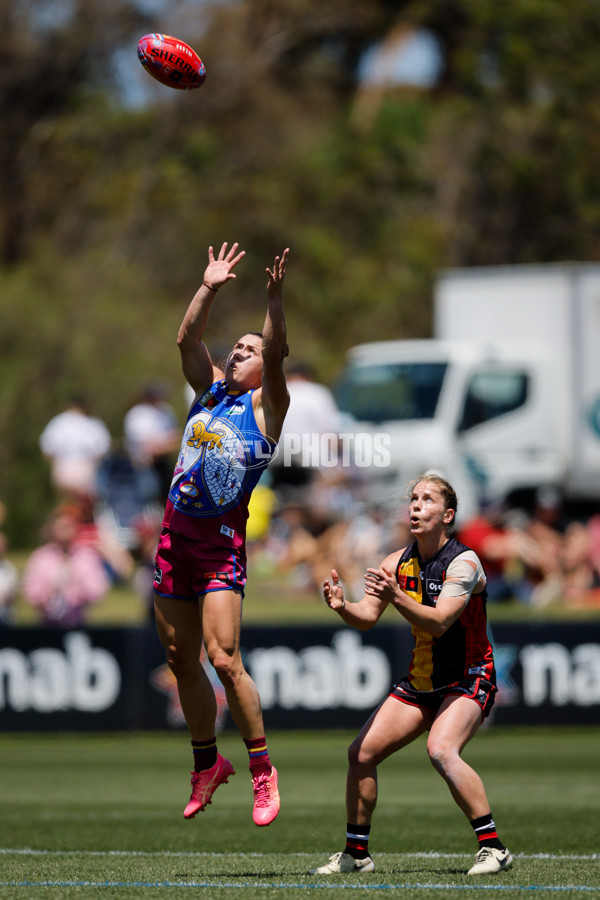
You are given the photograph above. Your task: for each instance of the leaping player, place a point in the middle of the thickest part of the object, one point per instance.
(232, 429)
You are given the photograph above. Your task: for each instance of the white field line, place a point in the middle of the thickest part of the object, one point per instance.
(281, 885)
(29, 851)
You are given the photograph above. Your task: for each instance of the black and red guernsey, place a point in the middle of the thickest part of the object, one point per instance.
(464, 650)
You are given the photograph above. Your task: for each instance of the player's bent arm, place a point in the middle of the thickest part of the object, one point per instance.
(464, 577)
(435, 620)
(362, 614)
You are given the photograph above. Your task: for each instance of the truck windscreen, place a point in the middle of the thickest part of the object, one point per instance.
(387, 391)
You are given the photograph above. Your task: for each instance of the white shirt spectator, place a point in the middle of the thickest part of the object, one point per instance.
(146, 426)
(312, 413)
(75, 442)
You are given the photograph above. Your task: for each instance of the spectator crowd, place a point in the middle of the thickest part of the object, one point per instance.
(304, 517)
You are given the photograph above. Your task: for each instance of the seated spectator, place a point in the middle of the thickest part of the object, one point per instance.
(127, 492)
(497, 548)
(364, 539)
(260, 511)
(9, 583)
(63, 576)
(74, 442)
(542, 549)
(581, 563)
(148, 528)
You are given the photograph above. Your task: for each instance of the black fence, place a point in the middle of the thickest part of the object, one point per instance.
(116, 679)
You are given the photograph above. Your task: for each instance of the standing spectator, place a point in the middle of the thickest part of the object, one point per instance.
(74, 442)
(63, 576)
(313, 413)
(152, 434)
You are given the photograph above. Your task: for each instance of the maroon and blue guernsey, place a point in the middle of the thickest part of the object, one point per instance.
(223, 454)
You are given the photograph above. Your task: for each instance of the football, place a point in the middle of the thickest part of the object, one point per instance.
(171, 61)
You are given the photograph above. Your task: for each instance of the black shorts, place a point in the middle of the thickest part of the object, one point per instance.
(480, 690)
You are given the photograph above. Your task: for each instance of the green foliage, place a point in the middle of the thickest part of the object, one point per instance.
(106, 210)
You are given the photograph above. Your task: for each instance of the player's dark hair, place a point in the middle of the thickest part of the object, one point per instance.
(286, 349)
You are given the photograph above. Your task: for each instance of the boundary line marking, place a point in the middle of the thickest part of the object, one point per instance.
(196, 854)
(304, 886)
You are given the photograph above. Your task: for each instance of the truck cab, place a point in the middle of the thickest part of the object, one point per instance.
(486, 416)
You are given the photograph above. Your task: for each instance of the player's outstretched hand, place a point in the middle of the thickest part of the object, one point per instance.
(277, 274)
(219, 270)
(334, 592)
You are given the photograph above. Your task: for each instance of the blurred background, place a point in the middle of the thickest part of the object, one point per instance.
(383, 142)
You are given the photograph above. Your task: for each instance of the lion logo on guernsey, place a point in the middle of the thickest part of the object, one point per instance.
(201, 435)
(214, 465)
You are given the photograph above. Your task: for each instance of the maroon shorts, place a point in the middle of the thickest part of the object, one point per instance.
(478, 689)
(185, 568)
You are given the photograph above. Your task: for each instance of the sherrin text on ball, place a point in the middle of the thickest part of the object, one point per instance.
(171, 61)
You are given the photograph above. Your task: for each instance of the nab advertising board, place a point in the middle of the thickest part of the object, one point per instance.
(107, 679)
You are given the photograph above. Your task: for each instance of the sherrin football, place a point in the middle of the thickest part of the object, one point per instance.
(171, 61)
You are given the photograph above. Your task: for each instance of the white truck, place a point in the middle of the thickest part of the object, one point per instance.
(504, 398)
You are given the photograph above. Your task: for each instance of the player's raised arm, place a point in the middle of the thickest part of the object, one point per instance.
(274, 399)
(195, 359)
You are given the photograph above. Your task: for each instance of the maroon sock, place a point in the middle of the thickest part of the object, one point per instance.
(205, 754)
(258, 756)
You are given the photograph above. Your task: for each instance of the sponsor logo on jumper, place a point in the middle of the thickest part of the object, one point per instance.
(227, 531)
(409, 583)
(158, 576)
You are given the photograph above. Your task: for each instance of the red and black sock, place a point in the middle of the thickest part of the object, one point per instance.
(258, 756)
(486, 833)
(357, 840)
(205, 754)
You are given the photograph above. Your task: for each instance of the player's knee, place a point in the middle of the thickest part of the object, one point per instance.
(227, 666)
(440, 754)
(181, 663)
(356, 755)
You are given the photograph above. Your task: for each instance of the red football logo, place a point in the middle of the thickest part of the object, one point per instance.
(171, 61)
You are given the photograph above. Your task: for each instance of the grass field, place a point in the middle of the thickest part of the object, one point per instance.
(101, 816)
